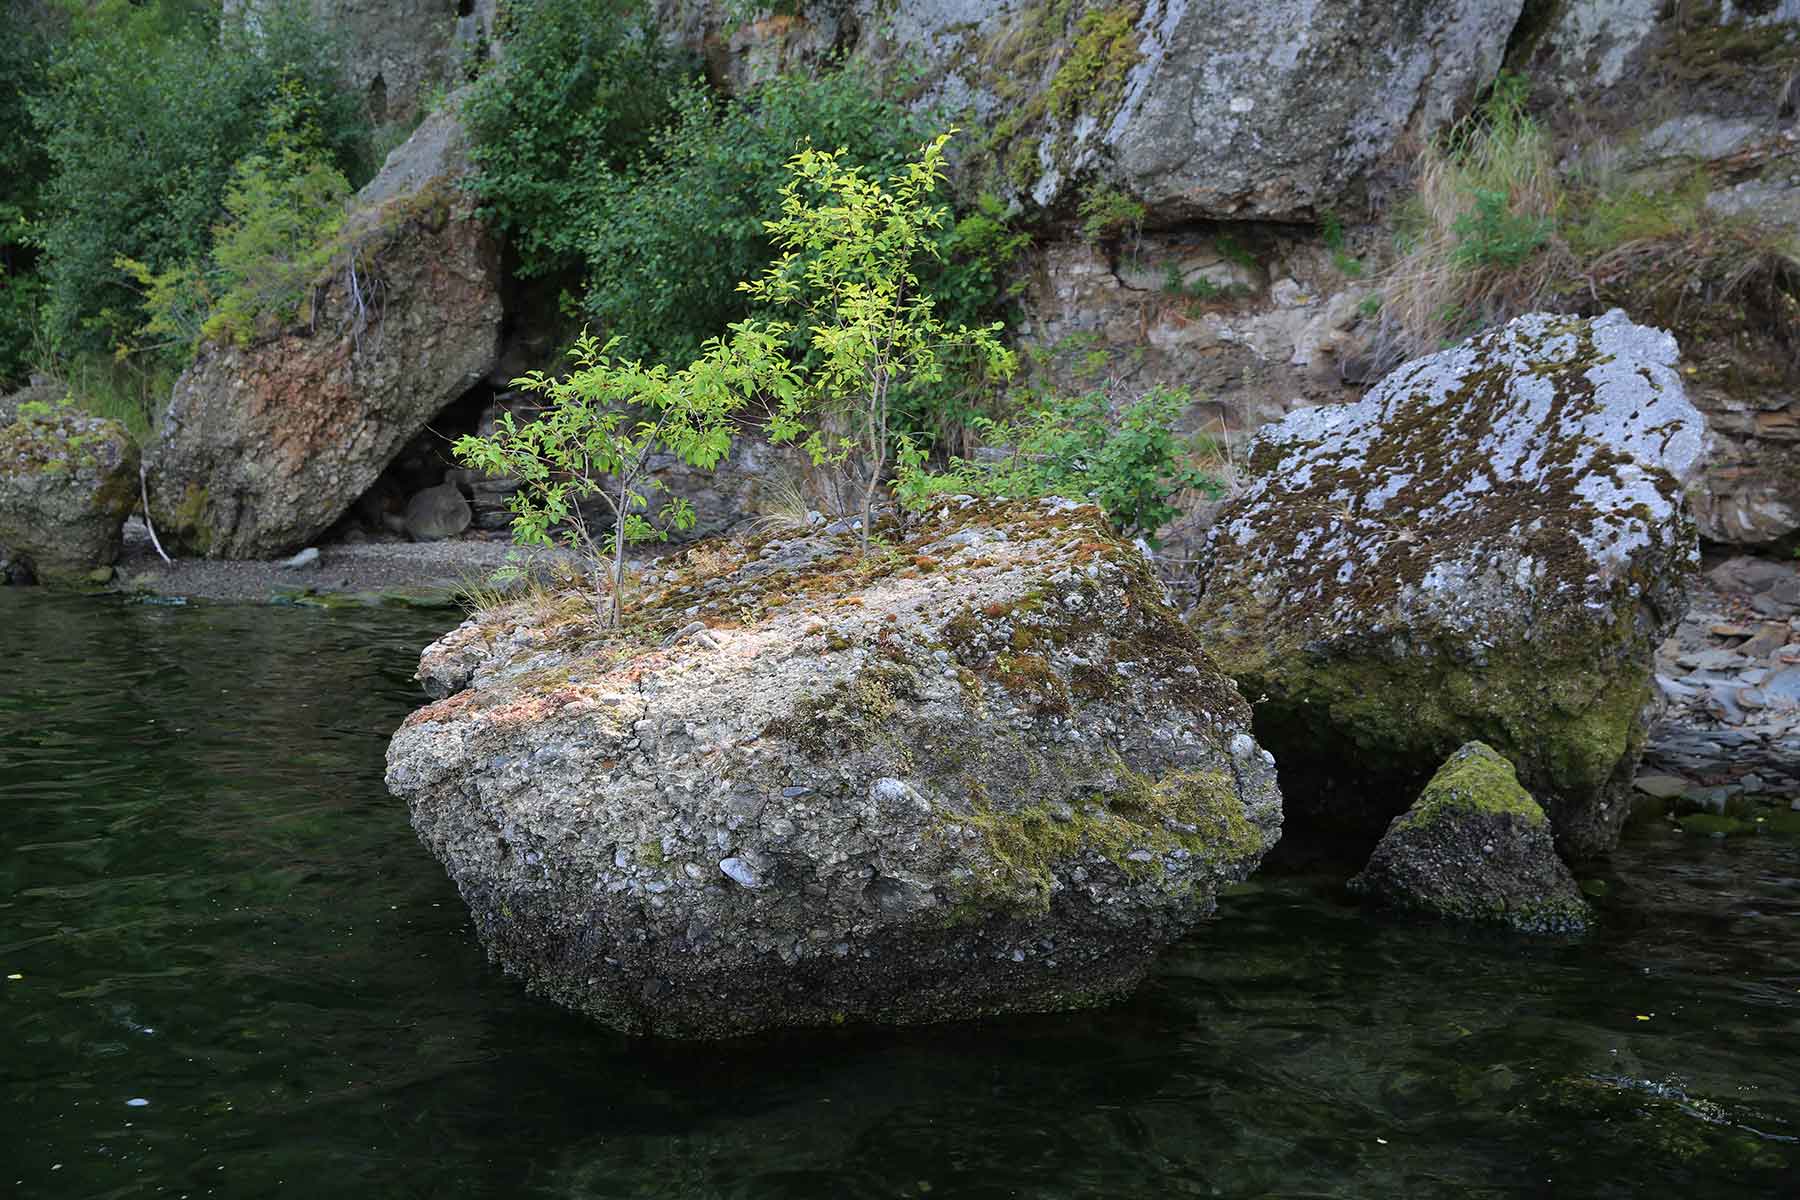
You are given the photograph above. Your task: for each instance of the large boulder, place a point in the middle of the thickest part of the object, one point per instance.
(1234, 109)
(1475, 847)
(67, 483)
(983, 769)
(263, 447)
(1489, 546)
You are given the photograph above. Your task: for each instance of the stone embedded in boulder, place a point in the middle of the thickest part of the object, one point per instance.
(263, 447)
(983, 770)
(67, 483)
(436, 513)
(1475, 847)
(1489, 546)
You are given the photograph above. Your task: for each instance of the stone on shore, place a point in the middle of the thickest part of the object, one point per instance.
(1475, 847)
(1489, 546)
(67, 483)
(985, 769)
(436, 513)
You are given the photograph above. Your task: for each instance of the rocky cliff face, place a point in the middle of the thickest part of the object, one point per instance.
(1238, 109)
(398, 52)
(263, 446)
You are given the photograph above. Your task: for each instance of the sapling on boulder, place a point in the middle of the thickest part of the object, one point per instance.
(597, 435)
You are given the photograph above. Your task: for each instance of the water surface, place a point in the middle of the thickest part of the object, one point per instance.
(242, 976)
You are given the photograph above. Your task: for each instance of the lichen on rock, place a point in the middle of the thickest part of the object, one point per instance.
(1487, 547)
(983, 768)
(1475, 847)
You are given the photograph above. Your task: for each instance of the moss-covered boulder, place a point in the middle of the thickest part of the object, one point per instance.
(983, 769)
(1489, 546)
(67, 483)
(1475, 847)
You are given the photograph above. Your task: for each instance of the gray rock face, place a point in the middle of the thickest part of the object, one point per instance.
(1233, 108)
(1252, 109)
(437, 513)
(1489, 546)
(67, 483)
(262, 447)
(1475, 847)
(991, 772)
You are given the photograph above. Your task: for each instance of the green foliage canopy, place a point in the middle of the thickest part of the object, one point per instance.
(850, 244)
(143, 122)
(585, 85)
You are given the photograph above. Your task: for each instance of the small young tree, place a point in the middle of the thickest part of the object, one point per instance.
(849, 246)
(597, 435)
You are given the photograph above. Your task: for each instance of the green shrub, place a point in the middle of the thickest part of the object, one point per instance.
(584, 86)
(662, 237)
(24, 51)
(850, 245)
(285, 203)
(1124, 457)
(601, 427)
(143, 122)
(1492, 234)
(1107, 212)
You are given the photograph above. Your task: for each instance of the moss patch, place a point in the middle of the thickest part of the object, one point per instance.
(1475, 780)
(1134, 827)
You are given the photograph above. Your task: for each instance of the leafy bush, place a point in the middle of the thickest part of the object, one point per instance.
(603, 424)
(1491, 234)
(285, 202)
(1107, 212)
(1128, 461)
(583, 87)
(688, 215)
(24, 49)
(143, 123)
(849, 247)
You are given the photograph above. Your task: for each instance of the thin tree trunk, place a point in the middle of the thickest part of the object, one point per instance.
(618, 571)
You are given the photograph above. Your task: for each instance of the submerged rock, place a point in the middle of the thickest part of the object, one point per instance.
(262, 447)
(1475, 847)
(984, 770)
(1489, 546)
(67, 483)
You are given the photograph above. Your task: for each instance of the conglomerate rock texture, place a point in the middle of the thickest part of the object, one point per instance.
(985, 769)
(262, 447)
(1489, 546)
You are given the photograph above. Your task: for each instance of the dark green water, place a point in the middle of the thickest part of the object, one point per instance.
(242, 976)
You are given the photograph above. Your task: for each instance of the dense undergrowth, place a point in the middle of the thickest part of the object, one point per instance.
(171, 175)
